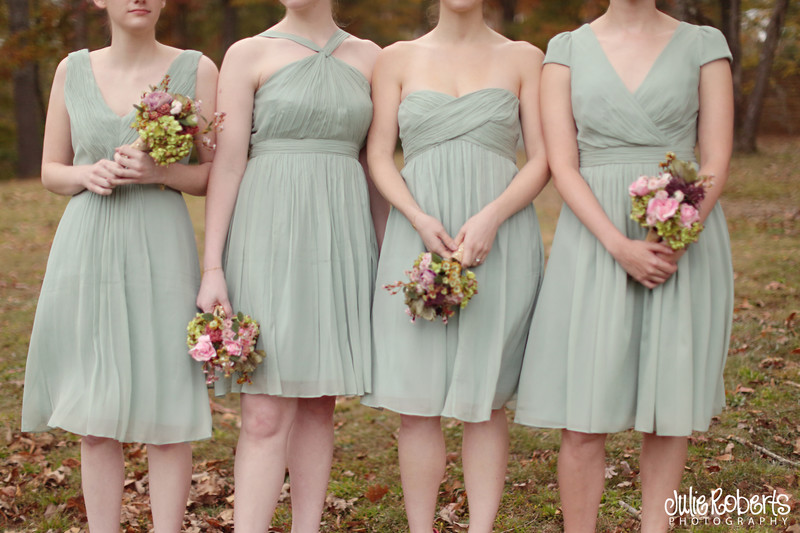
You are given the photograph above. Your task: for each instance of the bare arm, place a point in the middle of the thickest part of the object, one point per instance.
(58, 173)
(479, 232)
(381, 142)
(715, 128)
(235, 95)
(640, 259)
(139, 167)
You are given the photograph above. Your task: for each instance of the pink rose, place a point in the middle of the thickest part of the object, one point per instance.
(660, 182)
(233, 348)
(156, 99)
(662, 209)
(689, 215)
(639, 187)
(661, 195)
(425, 262)
(203, 350)
(428, 277)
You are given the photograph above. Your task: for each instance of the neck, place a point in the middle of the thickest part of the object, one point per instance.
(457, 26)
(133, 48)
(314, 22)
(632, 14)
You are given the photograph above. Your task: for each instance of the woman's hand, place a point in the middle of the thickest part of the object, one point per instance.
(214, 291)
(101, 177)
(434, 235)
(137, 167)
(674, 255)
(645, 262)
(477, 237)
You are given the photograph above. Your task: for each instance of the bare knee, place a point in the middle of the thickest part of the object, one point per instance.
(583, 444)
(168, 448)
(266, 417)
(91, 441)
(317, 408)
(419, 423)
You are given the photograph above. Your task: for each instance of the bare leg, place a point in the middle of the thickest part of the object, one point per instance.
(662, 462)
(260, 463)
(310, 455)
(485, 457)
(102, 477)
(422, 464)
(170, 479)
(581, 477)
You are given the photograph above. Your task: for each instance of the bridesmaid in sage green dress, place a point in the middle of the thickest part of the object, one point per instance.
(628, 334)
(289, 222)
(460, 97)
(107, 357)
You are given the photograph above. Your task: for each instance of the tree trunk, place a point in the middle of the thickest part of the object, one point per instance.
(731, 27)
(230, 24)
(80, 30)
(27, 97)
(746, 141)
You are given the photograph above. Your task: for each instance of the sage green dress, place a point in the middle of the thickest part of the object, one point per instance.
(301, 251)
(460, 154)
(108, 352)
(605, 353)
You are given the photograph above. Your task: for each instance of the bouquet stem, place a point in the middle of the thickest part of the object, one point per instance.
(652, 236)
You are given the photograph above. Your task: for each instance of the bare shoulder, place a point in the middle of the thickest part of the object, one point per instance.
(247, 49)
(399, 53)
(206, 67)
(61, 72)
(363, 47)
(523, 51)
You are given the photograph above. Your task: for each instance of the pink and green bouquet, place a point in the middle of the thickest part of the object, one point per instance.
(669, 203)
(224, 345)
(437, 286)
(167, 123)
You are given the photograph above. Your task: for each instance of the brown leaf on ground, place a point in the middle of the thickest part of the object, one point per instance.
(774, 286)
(772, 362)
(375, 492)
(741, 389)
(796, 450)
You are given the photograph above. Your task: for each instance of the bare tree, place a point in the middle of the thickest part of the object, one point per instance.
(746, 139)
(27, 96)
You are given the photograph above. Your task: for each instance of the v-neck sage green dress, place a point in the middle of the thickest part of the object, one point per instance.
(301, 250)
(605, 353)
(460, 154)
(108, 352)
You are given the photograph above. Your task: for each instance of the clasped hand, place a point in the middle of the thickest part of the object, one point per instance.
(476, 237)
(649, 263)
(137, 167)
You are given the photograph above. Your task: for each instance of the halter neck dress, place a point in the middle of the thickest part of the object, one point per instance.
(108, 352)
(605, 353)
(460, 154)
(301, 250)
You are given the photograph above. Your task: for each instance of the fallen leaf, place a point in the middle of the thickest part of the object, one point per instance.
(740, 389)
(610, 471)
(376, 492)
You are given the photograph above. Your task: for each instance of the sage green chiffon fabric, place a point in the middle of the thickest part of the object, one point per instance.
(108, 352)
(301, 251)
(605, 353)
(460, 154)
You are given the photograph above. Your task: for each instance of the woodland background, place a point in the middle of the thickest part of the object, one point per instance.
(764, 36)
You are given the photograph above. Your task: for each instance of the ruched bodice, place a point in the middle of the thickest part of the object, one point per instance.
(488, 118)
(460, 155)
(605, 353)
(301, 251)
(615, 124)
(295, 104)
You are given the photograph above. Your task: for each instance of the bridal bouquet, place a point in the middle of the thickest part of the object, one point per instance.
(224, 345)
(436, 287)
(669, 203)
(167, 122)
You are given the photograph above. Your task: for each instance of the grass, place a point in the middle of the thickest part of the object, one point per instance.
(40, 473)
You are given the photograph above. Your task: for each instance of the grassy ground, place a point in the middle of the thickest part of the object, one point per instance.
(40, 489)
